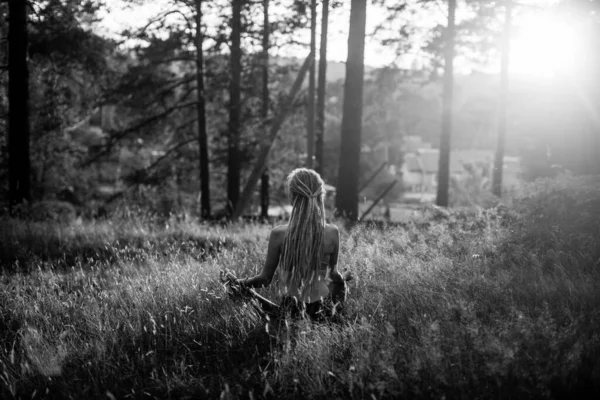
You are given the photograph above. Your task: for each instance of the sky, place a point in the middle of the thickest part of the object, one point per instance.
(543, 42)
(123, 17)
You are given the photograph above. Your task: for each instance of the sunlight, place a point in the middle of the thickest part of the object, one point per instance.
(544, 44)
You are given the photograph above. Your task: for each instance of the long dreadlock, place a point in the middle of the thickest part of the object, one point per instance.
(304, 240)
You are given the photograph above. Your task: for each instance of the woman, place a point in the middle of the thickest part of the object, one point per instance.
(306, 249)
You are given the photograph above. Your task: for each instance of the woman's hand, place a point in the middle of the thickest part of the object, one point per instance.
(335, 276)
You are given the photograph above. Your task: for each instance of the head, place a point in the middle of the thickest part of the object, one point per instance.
(303, 244)
(305, 184)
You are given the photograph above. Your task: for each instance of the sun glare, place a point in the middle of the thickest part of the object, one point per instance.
(544, 44)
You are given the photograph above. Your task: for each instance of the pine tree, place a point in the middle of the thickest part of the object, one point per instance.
(310, 112)
(348, 173)
(19, 165)
(264, 186)
(321, 88)
(448, 109)
(201, 113)
(233, 153)
(502, 117)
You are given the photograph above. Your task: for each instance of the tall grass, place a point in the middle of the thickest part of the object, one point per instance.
(467, 304)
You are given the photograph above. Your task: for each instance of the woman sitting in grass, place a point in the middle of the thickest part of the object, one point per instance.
(307, 250)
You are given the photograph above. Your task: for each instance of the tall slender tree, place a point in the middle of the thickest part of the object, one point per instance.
(310, 112)
(264, 184)
(321, 88)
(201, 111)
(348, 173)
(503, 103)
(448, 108)
(233, 159)
(19, 165)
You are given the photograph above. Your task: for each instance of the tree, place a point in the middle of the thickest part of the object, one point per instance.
(162, 97)
(310, 112)
(3, 101)
(448, 109)
(19, 165)
(321, 88)
(503, 103)
(201, 114)
(348, 172)
(68, 63)
(264, 187)
(233, 159)
(586, 15)
(174, 56)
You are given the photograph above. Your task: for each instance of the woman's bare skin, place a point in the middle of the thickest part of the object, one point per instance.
(330, 255)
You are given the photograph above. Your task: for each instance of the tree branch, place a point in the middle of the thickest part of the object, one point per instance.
(161, 18)
(259, 166)
(82, 122)
(120, 135)
(173, 86)
(144, 171)
(173, 59)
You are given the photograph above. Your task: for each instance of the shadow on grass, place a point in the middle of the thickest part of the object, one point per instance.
(201, 365)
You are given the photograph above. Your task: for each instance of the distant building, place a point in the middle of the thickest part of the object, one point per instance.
(411, 144)
(420, 168)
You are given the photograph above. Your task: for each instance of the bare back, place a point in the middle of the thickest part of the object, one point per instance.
(318, 287)
(330, 247)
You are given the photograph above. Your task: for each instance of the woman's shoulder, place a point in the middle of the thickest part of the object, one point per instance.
(279, 230)
(332, 230)
(278, 234)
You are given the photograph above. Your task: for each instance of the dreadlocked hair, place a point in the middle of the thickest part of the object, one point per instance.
(303, 242)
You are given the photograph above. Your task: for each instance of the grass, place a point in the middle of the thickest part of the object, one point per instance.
(499, 303)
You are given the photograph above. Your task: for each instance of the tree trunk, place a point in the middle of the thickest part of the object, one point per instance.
(322, 84)
(201, 111)
(19, 166)
(502, 112)
(594, 132)
(347, 186)
(264, 187)
(448, 110)
(233, 162)
(310, 112)
(264, 198)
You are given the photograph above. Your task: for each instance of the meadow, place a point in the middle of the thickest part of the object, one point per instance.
(464, 303)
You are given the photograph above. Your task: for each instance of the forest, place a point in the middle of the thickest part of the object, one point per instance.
(145, 145)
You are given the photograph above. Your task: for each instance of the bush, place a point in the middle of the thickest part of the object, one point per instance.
(47, 210)
(474, 190)
(559, 220)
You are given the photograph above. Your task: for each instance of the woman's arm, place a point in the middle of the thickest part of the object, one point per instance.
(273, 252)
(337, 287)
(334, 274)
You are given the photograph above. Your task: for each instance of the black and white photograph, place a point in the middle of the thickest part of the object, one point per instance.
(299, 199)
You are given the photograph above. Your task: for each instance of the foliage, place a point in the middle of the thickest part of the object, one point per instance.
(473, 189)
(68, 67)
(561, 223)
(459, 303)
